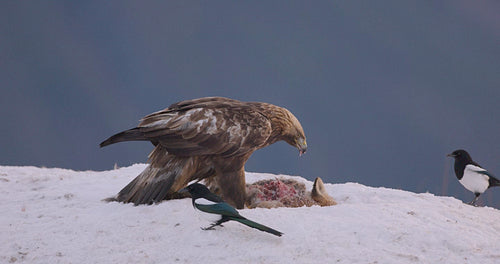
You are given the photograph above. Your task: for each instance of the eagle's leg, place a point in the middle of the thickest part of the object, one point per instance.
(232, 186)
(218, 223)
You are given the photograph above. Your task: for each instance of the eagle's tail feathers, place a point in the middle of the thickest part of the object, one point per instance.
(153, 185)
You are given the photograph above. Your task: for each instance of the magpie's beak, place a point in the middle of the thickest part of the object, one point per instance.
(183, 190)
(450, 155)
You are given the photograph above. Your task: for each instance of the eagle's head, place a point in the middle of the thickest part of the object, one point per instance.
(293, 133)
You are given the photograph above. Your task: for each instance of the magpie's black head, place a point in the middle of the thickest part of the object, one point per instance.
(196, 190)
(461, 155)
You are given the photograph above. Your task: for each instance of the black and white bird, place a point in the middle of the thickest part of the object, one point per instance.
(472, 176)
(208, 202)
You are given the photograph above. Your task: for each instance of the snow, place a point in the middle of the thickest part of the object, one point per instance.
(57, 216)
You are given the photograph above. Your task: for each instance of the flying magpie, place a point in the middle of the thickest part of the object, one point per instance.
(208, 202)
(472, 176)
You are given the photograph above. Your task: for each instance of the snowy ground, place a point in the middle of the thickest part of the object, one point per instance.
(57, 216)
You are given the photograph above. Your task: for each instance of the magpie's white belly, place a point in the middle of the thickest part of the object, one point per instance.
(474, 181)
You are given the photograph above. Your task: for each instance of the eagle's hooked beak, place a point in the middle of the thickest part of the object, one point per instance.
(301, 145)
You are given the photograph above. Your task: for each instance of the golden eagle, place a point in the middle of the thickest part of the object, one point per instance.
(207, 138)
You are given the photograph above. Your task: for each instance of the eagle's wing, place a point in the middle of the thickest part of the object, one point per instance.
(222, 128)
(189, 136)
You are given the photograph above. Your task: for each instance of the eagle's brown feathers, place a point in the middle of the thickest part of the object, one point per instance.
(207, 138)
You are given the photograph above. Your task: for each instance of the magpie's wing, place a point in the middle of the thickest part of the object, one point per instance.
(487, 173)
(223, 209)
(493, 181)
(478, 169)
(213, 197)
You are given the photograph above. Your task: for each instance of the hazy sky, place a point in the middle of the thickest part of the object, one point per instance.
(383, 89)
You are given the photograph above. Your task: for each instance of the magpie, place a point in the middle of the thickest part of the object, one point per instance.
(472, 176)
(208, 202)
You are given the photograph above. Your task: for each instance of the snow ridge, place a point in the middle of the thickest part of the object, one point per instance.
(57, 216)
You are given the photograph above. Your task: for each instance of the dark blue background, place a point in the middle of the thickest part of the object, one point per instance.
(384, 89)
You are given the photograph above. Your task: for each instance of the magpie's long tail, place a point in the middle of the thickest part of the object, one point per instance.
(128, 135)
(255, 225)
(494, 182)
